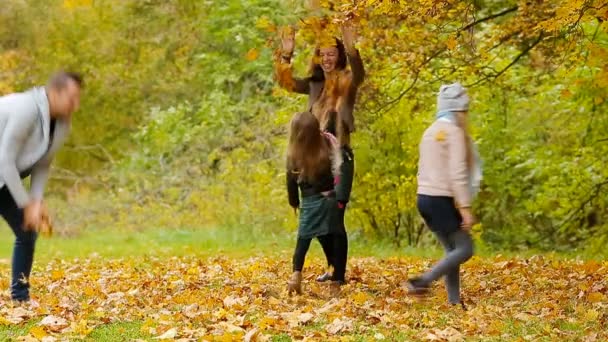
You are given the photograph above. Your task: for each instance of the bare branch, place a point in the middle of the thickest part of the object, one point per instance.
(414, 82)
(513, 62)
(521, 54)
(595, 192)
(601, 140)
(490, 17)
(108, 156)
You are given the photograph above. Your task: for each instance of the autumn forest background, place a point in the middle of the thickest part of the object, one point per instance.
(178, 151)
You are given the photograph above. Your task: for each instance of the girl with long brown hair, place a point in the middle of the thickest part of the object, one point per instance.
(313, 167)
(332, 93)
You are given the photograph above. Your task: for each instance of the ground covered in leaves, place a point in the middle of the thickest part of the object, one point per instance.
(225, 299)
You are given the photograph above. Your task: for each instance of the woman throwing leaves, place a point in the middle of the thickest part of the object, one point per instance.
(332, 92)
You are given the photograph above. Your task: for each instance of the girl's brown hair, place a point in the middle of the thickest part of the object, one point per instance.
(308, 151)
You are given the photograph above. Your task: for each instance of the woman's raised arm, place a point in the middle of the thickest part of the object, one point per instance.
(283, 68)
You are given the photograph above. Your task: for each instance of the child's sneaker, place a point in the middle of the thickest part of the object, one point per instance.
(324, 277)
(416, 287)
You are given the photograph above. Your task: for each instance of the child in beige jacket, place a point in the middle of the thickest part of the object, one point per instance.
(448, 178)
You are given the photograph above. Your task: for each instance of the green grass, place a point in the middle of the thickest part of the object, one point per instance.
(122, 331)
(10, 333)
(232, 242)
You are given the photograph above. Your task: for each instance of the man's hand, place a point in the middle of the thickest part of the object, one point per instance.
(468, 220)
(32, 215)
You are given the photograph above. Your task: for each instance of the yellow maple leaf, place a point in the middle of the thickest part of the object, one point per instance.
(38, 332)
(360, 298)
(451, 43)
(252, 54)
(596, 297)
(591, 315)
(56, 275)
(265, 24)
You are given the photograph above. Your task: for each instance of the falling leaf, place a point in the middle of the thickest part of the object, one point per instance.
(252, 54)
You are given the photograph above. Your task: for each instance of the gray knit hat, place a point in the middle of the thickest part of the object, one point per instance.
(452, 98)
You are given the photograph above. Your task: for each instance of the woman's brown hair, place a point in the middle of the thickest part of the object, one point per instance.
(316, 72)
(308, 152)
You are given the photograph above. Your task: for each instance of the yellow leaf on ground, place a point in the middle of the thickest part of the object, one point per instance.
(56, 275)
(596, 297)
(360, 298)
(38, 332)
(591, 315)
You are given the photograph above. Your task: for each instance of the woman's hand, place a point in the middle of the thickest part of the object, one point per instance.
(288, 41)
(349, 37)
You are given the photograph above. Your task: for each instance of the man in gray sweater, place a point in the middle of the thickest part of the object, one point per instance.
(33, 125)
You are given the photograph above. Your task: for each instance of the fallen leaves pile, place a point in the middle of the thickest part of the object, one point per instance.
(225, 299)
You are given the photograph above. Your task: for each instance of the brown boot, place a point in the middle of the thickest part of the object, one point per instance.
(335, 287)
(295, 283)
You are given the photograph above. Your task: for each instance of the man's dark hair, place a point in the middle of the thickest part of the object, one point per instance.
(60, 79)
